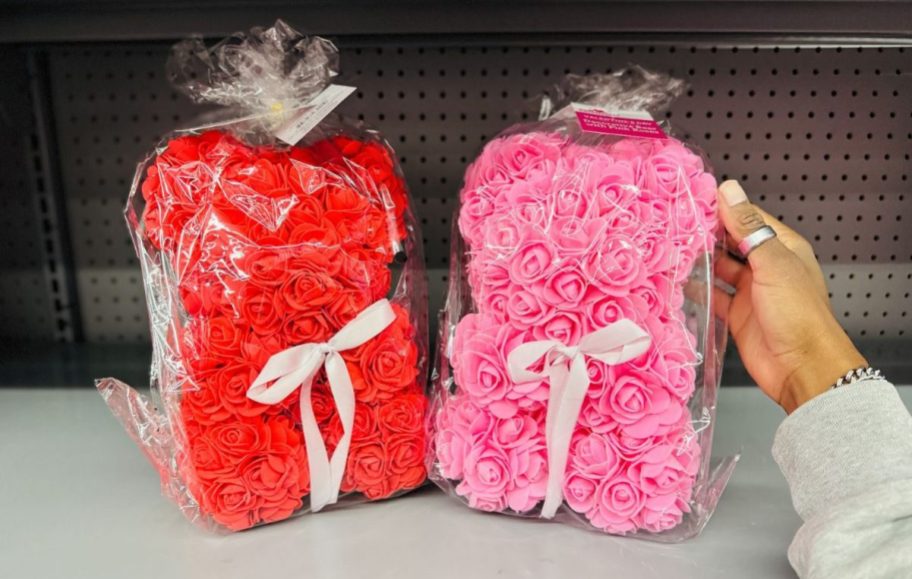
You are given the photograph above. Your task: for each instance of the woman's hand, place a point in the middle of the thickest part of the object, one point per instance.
(780, 315)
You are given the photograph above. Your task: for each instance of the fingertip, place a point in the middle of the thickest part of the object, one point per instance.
(732, 193)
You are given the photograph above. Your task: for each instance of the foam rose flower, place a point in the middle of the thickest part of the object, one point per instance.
(516, 158)
(479, 206)
(639, 402)
(255, 472)
(496, 478)
(615, 265)
(459, 423)
(481, 372)
(618, 501)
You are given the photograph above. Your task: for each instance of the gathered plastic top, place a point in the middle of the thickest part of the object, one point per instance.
(631, 89)
(266, 70)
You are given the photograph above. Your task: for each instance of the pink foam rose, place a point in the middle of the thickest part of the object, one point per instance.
(594, 419)
(496, 304)
(703, 190)
(598, 377)
(535, 190)
(630, 448)
(687, 257)
(579, 158)
(529, 396)
(497, 478)
(662, 471)
(674, 359)
(659, 213)
(657, 253)
(459, 423)
(633, 149)
(479, 369)
(477, 207)
(532, 213)
(524, 395)
(674, 151)
(618, 502)
(569, 200)
(685, 221)
(485, 171)
(666, 474)
(607, 309)
(668, 172)
(574, 237)
(593, 455)
(482, 503)
(491, 286)
(703, 186)
(530, 478)
(524, 307)
(503, 234)
(579, 491)
(670, 294)
(494, 272)
(650, 295)
(640, 402)
(532, 262)
(486, 471)
(519, 157)
(615, 267)
(529, 157)
(487, 275)
(567, 286)
(564, 326)
(612, 186)
(662, 512)
(629, 221)
(465, 328)
(526, 202)
(519, 431)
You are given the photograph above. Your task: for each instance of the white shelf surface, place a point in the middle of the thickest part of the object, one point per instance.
(77, 499)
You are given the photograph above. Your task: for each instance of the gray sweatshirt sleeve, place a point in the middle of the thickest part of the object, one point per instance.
(847, 456)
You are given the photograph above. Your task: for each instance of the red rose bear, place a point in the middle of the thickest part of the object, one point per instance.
(286, 296)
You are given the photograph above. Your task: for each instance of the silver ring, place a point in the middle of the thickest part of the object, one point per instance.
(755, 240)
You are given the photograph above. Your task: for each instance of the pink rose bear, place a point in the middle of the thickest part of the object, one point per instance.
(563, 241)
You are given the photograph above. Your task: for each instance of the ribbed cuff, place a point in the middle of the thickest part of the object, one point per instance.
(842, 442)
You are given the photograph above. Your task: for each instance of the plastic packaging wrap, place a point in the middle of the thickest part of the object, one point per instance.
(579, 358)
(286, 294)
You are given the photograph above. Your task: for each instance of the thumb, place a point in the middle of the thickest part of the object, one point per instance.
(741, 218)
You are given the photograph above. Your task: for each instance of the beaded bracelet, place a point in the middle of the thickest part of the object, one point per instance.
(857, 375)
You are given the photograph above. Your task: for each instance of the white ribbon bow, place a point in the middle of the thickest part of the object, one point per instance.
(296, 367)
(565, 368)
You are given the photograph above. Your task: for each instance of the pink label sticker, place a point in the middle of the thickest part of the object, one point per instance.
(622, 123)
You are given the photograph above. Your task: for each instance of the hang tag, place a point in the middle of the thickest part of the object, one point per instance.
(622, 123)
(305, 119)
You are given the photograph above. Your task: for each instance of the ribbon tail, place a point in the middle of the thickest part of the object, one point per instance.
(343, 393)
(317, 460)
(575, 384)
(558, 375)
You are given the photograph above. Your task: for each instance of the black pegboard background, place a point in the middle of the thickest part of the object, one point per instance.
(821, 136)
(31, 307)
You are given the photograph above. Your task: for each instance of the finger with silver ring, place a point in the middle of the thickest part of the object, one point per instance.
(755, 240)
